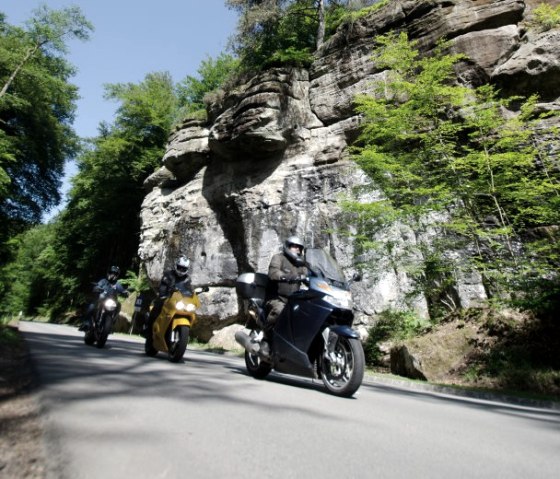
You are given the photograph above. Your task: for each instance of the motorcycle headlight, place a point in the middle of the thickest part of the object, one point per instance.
(110, 304)
(189, 308)
(339, 298)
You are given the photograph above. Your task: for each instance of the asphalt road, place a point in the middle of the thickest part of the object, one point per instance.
(115, 413)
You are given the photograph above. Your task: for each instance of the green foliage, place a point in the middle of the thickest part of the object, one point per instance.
(391, 325)
(359, 10)
(291, 56)
(545, 17)
(50, 268)
(136, 282)
(37, 105)
(281, 32)
(50, 29)
(100, 224)
(31, 278)
(8, 336)
(440, 150)
(212, 75)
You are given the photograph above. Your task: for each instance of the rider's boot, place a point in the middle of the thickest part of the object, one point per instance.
(146, 328)
(85, 326)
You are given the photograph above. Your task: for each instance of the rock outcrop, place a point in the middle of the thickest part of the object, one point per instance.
(273, 158)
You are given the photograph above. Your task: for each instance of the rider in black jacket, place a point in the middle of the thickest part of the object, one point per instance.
(104, 284)
(166, 287)
(287, 270)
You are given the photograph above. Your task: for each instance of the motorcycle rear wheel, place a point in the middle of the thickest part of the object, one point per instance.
(256, 367)
(177, 348)
(344, 376)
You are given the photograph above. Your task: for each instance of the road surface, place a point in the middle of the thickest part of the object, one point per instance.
(115, 413)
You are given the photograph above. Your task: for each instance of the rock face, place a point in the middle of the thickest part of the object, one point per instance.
(272, 160)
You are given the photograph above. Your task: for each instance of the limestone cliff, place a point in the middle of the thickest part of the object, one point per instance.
(272, 159)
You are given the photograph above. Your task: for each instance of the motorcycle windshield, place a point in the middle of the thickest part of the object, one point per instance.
(322, 264)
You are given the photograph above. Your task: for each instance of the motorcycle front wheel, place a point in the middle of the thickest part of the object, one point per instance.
(342, 373)
(177, 343)
(257, 368)
(106, 323)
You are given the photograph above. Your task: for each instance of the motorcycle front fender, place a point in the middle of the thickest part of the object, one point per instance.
(182, 321)
(346, 331)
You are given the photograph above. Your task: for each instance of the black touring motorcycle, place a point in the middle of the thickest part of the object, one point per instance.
(313, 337)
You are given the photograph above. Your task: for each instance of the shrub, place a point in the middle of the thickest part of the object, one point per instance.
(391, 325)
(545, 17)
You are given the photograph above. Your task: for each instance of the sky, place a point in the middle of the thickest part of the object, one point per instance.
(133, 38)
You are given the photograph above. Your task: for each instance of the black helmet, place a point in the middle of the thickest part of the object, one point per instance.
(113, 273)
(182, 266)
(295, 258)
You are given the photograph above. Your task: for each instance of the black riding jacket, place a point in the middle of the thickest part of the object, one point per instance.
(169, 281)
(285, 275)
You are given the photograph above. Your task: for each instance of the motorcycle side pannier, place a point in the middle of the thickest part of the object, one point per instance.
(252, 286)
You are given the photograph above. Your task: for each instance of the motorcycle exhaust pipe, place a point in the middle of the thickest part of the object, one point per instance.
(244, 340)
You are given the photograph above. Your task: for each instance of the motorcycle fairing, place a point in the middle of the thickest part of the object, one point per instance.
(293, 337)
(303, 320)
(170, 315)
(181, 321)
(288, 359)
(346, 331)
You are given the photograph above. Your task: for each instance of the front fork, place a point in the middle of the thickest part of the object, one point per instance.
(329, 340)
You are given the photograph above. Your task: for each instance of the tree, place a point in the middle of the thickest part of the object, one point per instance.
(272, 32)
(37, 107)
(49, 30)
(32, 279)
(100, 224)
(438, 148)
(212, 74)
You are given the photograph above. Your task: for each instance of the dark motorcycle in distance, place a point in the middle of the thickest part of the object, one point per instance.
(313, 336)
(105, 313)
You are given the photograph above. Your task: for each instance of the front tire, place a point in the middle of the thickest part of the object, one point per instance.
(256, 367)
(178, 347)
(107, 323)
(343, 372)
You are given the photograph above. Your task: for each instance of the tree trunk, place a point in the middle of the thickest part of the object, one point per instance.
(28, 55)
(321, 26)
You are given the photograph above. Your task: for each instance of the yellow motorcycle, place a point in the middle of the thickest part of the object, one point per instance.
(170, 332)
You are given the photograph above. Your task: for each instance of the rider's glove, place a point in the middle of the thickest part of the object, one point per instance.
(294, 278)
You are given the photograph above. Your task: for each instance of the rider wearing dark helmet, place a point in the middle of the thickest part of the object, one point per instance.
(287, 270)
(179, 273)
(109, 282)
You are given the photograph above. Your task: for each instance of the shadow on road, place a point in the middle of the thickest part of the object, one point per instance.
(122, 369)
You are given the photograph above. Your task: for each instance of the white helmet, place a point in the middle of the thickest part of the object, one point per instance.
(182, 266)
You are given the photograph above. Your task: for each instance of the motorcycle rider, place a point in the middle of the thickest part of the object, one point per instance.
(286, 271)
(167, 285)
(110, 282)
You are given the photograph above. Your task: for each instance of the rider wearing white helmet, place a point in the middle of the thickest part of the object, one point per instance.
(179, 273)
